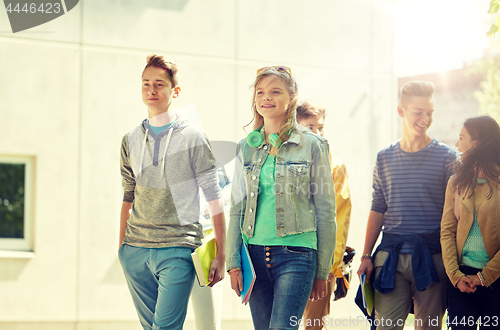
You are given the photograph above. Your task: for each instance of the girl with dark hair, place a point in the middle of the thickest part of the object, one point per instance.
(470, 228)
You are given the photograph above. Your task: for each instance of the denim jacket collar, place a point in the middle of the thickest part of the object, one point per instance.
(295, 137)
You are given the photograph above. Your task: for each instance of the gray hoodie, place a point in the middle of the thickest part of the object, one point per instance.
(161, 175)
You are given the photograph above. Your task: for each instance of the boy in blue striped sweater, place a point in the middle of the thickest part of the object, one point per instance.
(409, 184)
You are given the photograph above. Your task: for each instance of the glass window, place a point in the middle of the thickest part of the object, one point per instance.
(15, 203)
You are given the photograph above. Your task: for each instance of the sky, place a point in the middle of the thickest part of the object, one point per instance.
(438, 35)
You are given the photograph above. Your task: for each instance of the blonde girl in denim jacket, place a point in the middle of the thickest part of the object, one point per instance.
(283, 207)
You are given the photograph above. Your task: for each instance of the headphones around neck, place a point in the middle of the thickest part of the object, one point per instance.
(255, 138)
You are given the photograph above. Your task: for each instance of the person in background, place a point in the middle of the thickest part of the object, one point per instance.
(311, 115)
(283, 207)
(470, 228)
(409, 184)
(164, 162)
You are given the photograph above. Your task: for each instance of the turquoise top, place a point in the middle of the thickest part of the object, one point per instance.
(474, 252)
(158, 129)
(265, 222)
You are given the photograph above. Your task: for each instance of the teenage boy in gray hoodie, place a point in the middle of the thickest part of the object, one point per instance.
(164, 162)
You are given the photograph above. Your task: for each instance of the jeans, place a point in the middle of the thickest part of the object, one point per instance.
(160, 282)
(285, 277)
(467, 310)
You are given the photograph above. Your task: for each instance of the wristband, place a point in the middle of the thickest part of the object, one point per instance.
(232, 270)
(481, 278)
(366, 256)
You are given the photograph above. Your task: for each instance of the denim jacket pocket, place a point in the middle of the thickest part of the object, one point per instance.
(298, 174)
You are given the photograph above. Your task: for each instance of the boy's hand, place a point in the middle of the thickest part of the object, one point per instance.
(366, 267)
(216, 270)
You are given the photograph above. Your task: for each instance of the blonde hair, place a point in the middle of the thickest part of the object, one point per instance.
(292, 88)
(415, 88)
(166, 63)
(307, 108)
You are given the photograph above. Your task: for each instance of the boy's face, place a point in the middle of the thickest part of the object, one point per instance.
(315, 124)
(157, 90)
(417, 115)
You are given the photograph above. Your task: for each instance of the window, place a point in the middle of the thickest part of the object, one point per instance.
(16, 180)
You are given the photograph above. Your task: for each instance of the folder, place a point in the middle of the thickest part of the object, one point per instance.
(248, 273)
(368, 295)
(202, 260)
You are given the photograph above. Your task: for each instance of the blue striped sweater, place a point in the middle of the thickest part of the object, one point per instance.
(409, 188)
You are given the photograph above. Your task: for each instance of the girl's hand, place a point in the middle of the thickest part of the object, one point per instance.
(236, 282)
(319, 290)
(465, 284)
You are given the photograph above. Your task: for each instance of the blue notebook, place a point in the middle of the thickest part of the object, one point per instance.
(248, 274)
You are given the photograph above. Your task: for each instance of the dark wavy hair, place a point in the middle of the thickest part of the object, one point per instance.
(483, 157)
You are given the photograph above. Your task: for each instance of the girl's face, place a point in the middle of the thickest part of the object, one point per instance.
(465, 142)
(272, 98)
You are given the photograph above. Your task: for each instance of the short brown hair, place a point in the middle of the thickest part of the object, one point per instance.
(415, 88)
(166, 63)
(307, 108)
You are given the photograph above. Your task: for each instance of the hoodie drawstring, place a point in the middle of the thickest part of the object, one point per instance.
(164, 155)
(143, 147)
(166, 147)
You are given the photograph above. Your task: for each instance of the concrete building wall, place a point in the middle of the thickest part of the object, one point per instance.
(70, 89)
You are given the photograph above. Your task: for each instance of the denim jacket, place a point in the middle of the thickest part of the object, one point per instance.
(304, 195)
(424, 270)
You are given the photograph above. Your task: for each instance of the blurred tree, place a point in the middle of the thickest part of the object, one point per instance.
(495, 26)
(11, 200)
(489, 94)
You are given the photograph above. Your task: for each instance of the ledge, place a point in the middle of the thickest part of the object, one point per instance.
(5, 254)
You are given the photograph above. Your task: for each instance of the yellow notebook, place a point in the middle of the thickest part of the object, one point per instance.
(368, 297)
(202, 260)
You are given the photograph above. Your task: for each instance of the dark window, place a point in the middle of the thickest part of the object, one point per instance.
(12, 192)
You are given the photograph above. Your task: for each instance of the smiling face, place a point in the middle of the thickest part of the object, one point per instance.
(465, 141)
(157, 90)
(417, 115)
(272, 98)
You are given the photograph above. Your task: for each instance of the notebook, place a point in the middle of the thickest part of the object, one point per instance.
(202, 260)
(367, 291)
(248, 274)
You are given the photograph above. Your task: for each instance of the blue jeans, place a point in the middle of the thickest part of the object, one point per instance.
(160, 282)
(285, 277)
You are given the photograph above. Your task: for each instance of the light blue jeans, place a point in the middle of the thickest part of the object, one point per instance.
(285, 277)
(160, 282)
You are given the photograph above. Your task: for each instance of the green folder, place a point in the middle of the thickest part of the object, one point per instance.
(368, 296)
(202, 260)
